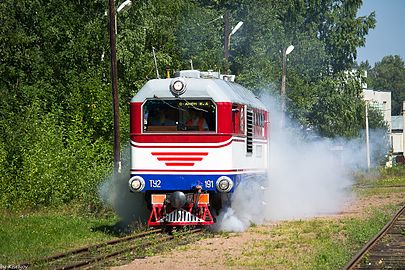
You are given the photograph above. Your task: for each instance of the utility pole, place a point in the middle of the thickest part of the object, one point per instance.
(227, 40)
(114, 82)
(228, 32)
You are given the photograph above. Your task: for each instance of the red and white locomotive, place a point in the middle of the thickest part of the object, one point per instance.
(194, 139)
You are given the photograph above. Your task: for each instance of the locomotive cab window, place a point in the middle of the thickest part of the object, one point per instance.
(179, 115)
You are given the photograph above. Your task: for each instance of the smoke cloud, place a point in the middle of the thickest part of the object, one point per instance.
(308, 176)
(114, 192)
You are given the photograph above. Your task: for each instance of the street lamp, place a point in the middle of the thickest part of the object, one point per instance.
(124, 6)
(286, 52)
(114, 80)
(227, 37)
(236, 28)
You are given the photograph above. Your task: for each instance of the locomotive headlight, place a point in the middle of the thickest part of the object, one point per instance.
(178, 86)
(136, 183)
(224, 184)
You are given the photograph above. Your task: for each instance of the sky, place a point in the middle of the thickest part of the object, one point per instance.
(388, 37)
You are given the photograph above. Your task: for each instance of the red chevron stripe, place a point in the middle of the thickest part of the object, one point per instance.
(179, 153)
(179, 158)
(179, 164)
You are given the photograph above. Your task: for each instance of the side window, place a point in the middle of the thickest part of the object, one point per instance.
(242, 120)
(238, 119)
(235, 118)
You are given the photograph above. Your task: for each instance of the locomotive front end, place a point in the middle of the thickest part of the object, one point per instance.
(185, 157)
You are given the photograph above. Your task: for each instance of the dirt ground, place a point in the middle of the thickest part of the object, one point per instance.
(212, 253)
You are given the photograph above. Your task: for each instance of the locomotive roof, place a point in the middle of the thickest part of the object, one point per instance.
(218, 90)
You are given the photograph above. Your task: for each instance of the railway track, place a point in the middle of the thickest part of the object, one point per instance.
(109, 253)
(386, 250)
(375, 187)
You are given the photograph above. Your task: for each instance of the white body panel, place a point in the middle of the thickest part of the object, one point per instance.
(228, 156)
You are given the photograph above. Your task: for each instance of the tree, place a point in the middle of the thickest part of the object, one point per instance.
(389, 75)
(200, 37)
(53, 114)
(341, 30)
(339, 107)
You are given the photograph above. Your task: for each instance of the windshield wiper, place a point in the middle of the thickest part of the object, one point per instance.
(168, 104)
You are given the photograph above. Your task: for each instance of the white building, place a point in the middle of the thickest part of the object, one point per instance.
(397, 134)
(381, 101)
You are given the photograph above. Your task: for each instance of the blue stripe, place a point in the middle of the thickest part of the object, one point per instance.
(182, 182)
(163, 182)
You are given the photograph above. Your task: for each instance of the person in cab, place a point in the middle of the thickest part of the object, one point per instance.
(196, 121)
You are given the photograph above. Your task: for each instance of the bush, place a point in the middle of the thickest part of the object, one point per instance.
(50, 165)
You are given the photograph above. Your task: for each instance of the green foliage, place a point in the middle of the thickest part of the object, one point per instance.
(54, 108)
(342, 31)
(397, 172)
(389, 75)
(199, 35)
(43, 170)
(338, 108)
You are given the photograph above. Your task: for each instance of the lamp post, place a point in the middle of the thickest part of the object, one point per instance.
(124, 6)
(367, 139)
(227, 37)
(114, 81)
(286, 52)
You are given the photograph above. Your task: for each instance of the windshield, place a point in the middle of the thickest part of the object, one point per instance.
(179, 115)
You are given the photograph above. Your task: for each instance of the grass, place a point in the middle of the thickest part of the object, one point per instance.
(385, 182)
(310, 244)
(383, 177)
(323, 243)
(27, 237)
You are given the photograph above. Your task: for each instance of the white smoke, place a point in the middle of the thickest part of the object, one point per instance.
(248, 203)
(114, 192)
(308, 176)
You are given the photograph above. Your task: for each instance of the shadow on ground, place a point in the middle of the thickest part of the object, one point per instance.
(120, 228)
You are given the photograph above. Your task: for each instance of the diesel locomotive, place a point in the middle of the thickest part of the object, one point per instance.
(194, 139)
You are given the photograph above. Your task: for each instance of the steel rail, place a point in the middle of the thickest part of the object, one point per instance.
(375, 187)
(124, 250)
(356, 259)
(90, 247)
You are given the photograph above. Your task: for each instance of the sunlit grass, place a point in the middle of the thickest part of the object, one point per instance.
(382, 177)
(27, 237)
(389, 182)
(311, 244)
